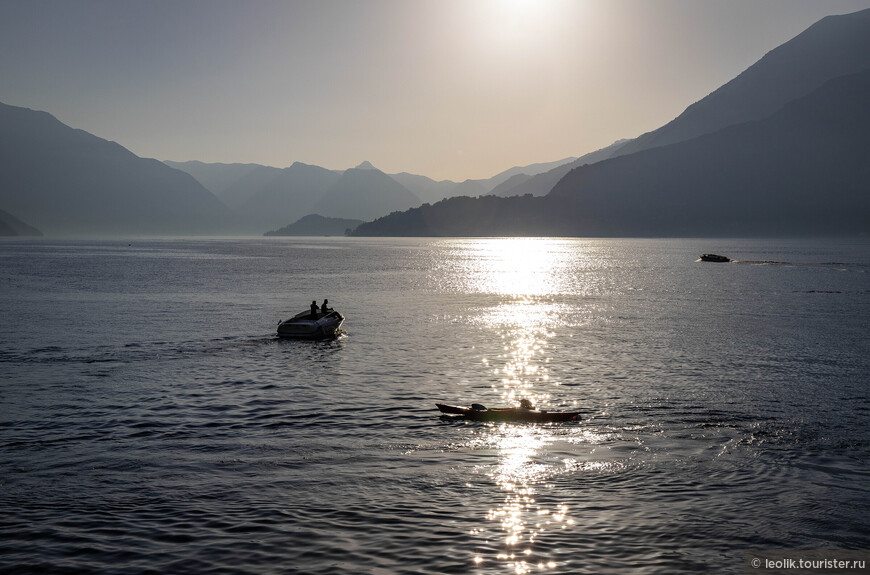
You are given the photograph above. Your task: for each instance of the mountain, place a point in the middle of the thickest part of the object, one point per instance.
(463, 216)
(529, 170)
(266, 197)
(216, 178)
(239, 192)
(68, 181)
(430, 191)
(427, 189)
(541, 184)
(834, 46)
(364, 194)
(12, 226)
(515, 182)
(470, 188)
(285, 196)
(316, 225)
(802, 171)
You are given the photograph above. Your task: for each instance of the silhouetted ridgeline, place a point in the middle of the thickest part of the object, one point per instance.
(284, 197)
(68, 181)
(316, 225)
(541, 184)
(834, 46)
(467, 217)
(12, 226)
(804, 170)
(796, 162)
(264, 197)
(217, 178)
(364, 193)
(780, 149)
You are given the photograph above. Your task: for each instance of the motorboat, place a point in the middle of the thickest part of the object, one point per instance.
(306, 325)
(714, 258)
(478, 412)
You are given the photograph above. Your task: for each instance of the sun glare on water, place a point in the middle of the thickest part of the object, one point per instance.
(527, 275)
(517, 266)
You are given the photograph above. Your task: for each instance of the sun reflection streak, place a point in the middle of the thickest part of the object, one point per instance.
(521, 518)
(517, 266)
(525, 273)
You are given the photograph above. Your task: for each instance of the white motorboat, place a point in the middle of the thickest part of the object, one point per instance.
(306, 326)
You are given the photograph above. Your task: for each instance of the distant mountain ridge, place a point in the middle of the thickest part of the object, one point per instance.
(780, 149)
(65, 180)
(216, 178)
(800, 169)
(463, 216)
(224, 179)
(541, 184)
(316, 225)
(286, 196)
(834, 46)
(12, 226)
(239, 192)
(265, 197)
(364, 193)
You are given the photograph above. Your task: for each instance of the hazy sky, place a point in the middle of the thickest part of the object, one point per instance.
(445, 88)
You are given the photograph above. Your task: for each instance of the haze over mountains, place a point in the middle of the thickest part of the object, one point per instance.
(783, 148)
(834, 46)
(265, 197)
(12, 226)
(765, 177)
(66, 181)
(314, 225)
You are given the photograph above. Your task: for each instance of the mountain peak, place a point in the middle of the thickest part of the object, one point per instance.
(366, 165)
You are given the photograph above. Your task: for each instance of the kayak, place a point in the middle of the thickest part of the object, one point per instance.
(508, 414)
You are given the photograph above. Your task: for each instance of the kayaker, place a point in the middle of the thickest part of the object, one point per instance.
(324, 309)
(314, 309)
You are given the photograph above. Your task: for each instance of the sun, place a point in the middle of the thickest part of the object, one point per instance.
(523, 7)
(507, 27)
(520, 12)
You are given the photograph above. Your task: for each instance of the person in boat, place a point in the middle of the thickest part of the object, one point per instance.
(325, 309)
(526, 404)
(314, 309)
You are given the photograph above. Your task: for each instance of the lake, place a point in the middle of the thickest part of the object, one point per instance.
(152, 422)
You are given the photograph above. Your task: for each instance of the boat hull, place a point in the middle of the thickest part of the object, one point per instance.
(324, 327)
(508, 415)
(715, 258)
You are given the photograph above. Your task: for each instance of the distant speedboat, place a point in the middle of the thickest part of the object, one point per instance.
(305, 326)
(714, 258)
(507, 414)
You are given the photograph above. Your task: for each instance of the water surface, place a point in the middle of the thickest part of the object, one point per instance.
(151, 421)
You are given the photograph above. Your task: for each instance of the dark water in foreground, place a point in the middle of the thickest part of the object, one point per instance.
(151, 422)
